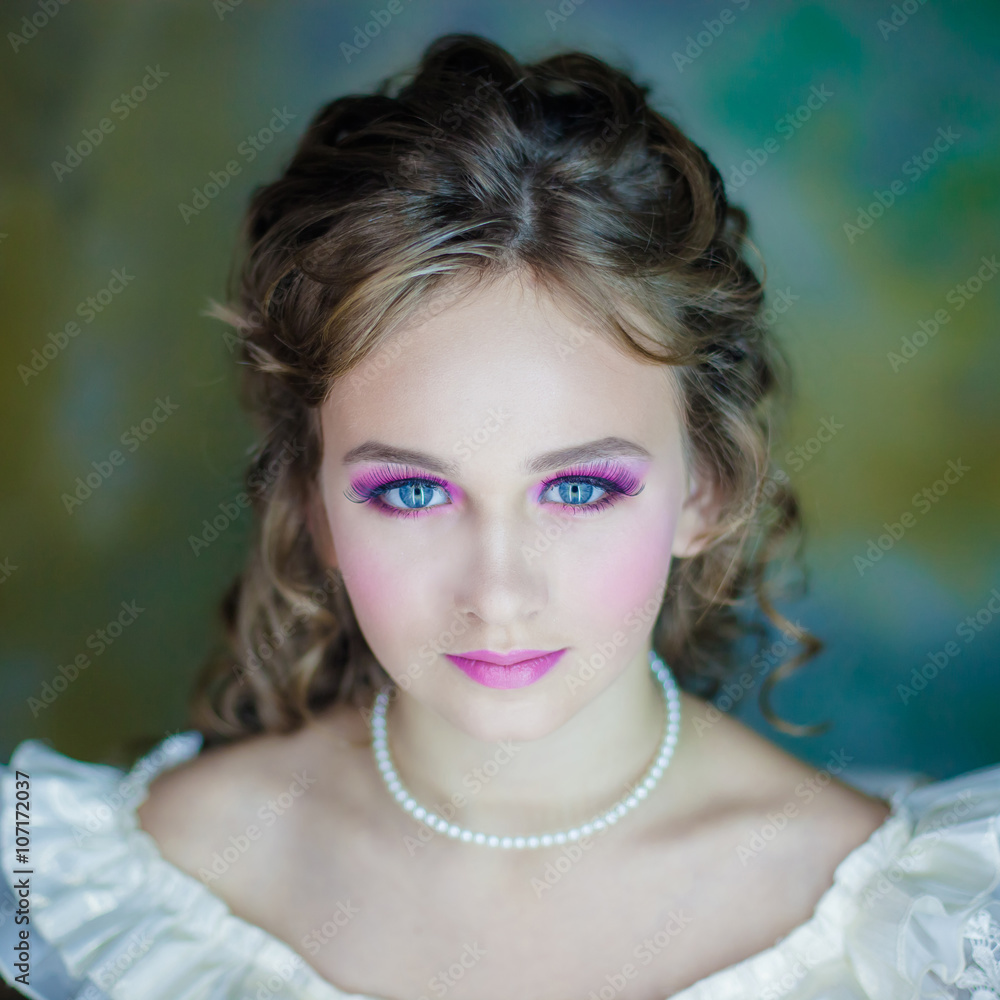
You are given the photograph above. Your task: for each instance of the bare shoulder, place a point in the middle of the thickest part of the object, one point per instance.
(768, 828)
(233, 794)
(824, 816)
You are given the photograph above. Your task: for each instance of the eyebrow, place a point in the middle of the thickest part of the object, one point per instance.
(608, 447)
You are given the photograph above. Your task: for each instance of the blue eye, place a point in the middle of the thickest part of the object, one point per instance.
(414, 495)
(404, 493)
(575, 492)
(589, 489)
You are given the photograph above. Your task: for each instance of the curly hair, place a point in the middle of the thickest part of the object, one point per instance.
(477, 165)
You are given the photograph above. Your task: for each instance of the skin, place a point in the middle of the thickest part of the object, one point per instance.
(470, 572)
(498, 359)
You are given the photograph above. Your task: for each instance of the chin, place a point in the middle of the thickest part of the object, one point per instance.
(520, 715)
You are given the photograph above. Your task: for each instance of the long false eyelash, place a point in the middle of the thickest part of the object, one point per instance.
(372, 484)
(616, 480)
(604, 473)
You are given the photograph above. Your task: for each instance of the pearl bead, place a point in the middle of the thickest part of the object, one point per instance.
(640, 791)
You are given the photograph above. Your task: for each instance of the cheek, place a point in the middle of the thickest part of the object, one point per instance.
(386, 590)
(632, 571)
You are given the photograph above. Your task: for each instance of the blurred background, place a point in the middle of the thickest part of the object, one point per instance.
(864, 140)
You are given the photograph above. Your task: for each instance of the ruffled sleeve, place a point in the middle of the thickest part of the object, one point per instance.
(912, 914)
(110, 917)
(928, 922)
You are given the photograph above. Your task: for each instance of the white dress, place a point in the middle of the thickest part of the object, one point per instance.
(913, 912)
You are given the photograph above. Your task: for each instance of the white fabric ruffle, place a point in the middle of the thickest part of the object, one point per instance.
(122, 918)
(912, 914)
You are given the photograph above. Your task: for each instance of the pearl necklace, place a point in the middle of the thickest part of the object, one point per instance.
(642, 789)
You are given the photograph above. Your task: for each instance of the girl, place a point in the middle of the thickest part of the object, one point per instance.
(515, 501)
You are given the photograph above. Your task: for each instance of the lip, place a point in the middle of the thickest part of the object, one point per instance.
(515, 669)
(505, 659)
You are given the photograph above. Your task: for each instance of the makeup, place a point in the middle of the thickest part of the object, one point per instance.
(404, 491)
(518, 668)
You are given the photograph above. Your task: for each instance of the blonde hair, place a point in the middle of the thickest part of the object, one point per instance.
(473, 166)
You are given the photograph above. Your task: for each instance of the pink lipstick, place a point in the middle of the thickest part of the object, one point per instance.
(515, 669)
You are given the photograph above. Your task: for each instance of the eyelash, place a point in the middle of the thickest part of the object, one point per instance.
(612, 477)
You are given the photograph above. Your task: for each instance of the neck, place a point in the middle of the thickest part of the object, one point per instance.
(552, 783)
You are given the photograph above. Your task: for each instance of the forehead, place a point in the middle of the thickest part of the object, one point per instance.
(503, 347)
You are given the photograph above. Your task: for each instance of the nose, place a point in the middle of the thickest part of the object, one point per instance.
(502, 581)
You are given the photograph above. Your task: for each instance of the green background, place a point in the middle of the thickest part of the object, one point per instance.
(852, 303)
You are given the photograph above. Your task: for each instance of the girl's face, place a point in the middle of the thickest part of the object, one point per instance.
(505, 480)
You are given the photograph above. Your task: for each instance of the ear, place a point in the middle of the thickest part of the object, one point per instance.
(697, 517)
(319, 526)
